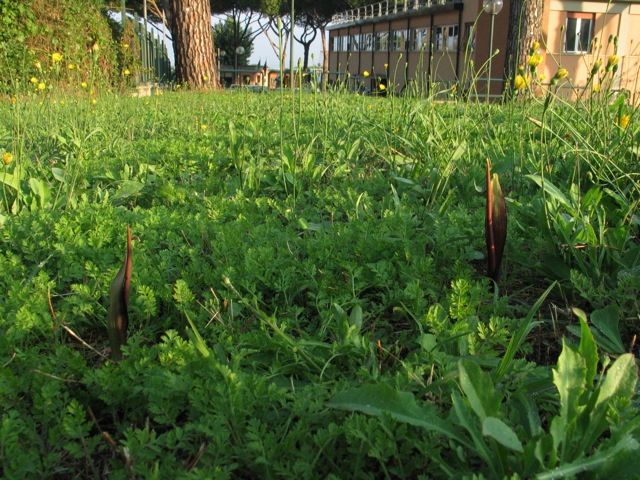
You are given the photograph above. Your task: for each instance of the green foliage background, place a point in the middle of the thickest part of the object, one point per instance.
(275, 268)
(89, 42)
(224, 40)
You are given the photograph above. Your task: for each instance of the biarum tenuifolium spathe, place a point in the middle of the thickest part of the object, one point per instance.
(495, 224)
(118, 320)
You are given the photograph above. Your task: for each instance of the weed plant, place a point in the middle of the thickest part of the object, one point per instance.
(284, 266)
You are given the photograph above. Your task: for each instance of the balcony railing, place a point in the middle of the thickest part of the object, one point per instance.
(382, 9)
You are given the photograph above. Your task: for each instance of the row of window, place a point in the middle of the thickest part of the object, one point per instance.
(444, 38)
(577, 38)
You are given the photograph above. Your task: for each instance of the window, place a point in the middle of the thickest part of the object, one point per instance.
(419, 39)
(446, 38)
(578, 31)
(366, 42)
(469, 37)
(381, 42)
(398, 40)
(343, 43)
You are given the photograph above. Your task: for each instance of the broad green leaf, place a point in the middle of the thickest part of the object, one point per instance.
(58, 174)
(570, 378)
(378, 399)
(613, 460)
(459, 151)
(553, 191)
(606, 321)
(41, 190)
(10, 180)
(126, 190)
(587, 348)
(621, 380)
(502, 433)
(479, 390)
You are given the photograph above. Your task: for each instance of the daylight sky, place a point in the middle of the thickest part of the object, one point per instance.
(261, 49)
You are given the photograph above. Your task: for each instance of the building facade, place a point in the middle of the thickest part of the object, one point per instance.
(423, 45)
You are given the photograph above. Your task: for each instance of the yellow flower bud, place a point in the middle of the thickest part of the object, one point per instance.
(562, 73)
(7, 158)
(535, 46)
(365, 74)
(535, 60)
(613, 61)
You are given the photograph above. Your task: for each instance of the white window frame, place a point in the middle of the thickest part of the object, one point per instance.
(446, 38)
(575, 43)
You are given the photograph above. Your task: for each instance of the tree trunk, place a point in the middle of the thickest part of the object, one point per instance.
(525, 27)
(190, 25)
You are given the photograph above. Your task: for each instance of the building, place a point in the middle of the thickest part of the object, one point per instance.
(250, 75)
(426, 45)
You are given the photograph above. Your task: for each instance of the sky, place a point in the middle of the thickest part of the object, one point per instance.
(262, 50)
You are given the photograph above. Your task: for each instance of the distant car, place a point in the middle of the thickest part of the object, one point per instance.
(251, 88)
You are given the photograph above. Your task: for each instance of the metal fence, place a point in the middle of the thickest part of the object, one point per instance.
(381, 9)
(154, 58)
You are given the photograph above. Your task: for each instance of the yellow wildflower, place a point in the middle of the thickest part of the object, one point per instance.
(205, 78)
(613, 61)
(61, 102)
(56, 57)
(38, 65)
(382, 87)
(7, 158)
(127, 72)
(624, 121)
(94, 101)
(71, 66)
(34, 80)
(203, 127)
(125, 45)
(596, 88)
(84, 85)
(386, 65)
(535, 60)
(365, 73)
(596, 66)
(520, 82)
(535, 46)
(42, 86)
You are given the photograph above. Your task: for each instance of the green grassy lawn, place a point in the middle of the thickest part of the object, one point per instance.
(309, 295)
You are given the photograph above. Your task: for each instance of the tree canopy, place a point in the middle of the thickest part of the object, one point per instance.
(227, 36)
